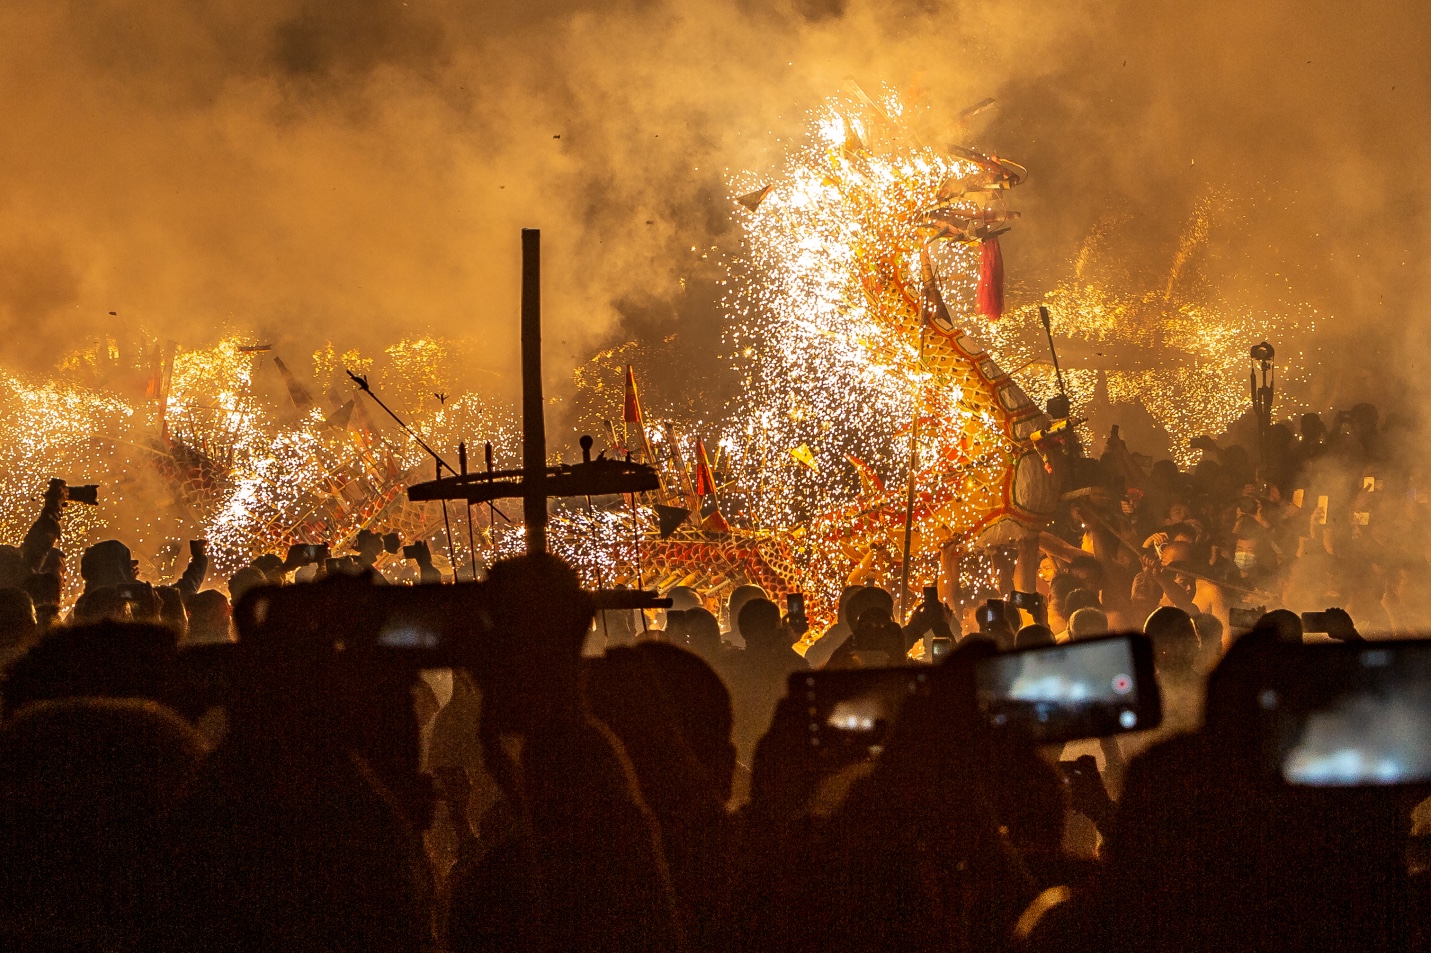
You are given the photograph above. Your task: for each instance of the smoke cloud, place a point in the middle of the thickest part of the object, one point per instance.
(307, 171)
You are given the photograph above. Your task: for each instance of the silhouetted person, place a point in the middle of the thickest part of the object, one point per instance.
(757, 675)
(819, 652)
(302, 831)
(1033, 635)
(581, 867)
(104, 660)
(673, 717)
(1087, 624)
(739, 596)
(105, 564)
(209, 616)
(1212, 852)
(876, 642)
(702, 633)
(84, 784)
(18, 625)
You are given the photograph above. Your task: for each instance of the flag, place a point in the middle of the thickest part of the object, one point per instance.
(870, 482)
(633, 402)
(803, 454)
(296, 391)
(705, 481)
(669, 518)
(991, 279)
(715, 523)
(752, 200)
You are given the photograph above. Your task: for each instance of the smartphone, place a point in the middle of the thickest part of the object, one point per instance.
(1241, 618)
(1086, 689)
(197, 547)
(1349, 715)
(931, 595)
(1026, 601)
(991, 613)
(851, 711)
(135, 592)
(795, 605)
(939, 647)
(412, 550)
(1316, 622)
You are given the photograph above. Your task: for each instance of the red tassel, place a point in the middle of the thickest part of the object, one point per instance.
(991, 279)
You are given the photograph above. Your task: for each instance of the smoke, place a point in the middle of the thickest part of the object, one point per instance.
(311, 172)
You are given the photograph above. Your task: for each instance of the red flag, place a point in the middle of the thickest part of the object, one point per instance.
(705, 482)
(633, 403)
(991, 279)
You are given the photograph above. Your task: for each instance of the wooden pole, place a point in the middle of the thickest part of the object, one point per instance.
(534, 427)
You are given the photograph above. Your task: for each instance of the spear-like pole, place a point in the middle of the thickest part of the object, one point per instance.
(909, 489)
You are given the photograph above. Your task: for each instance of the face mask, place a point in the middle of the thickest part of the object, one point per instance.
(1245, 561)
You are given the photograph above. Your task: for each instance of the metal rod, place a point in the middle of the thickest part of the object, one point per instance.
(636, 541)
(909, 490)
(447, 524)
(1048, 331)
(362, 383)
(471, 533)
(492, 507)
(534, 428)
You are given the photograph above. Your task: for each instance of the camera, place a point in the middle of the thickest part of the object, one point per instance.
(1059, 407)
(88, 495)
(1263, 352)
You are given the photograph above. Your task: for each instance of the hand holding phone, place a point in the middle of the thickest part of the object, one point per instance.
(198, 547)
(1031, 602)
(1348, 715)
(1333, 622)
(1085, 689)
(850, 712)
(795, 613)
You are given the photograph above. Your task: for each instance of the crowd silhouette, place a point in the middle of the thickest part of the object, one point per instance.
(310, 757)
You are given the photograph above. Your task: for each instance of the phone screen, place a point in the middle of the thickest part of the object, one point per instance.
(1353, 716)
(795, 605)
(1075, 690)
(852, 711)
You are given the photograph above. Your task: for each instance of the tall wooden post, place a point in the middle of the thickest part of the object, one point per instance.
(534, 426)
